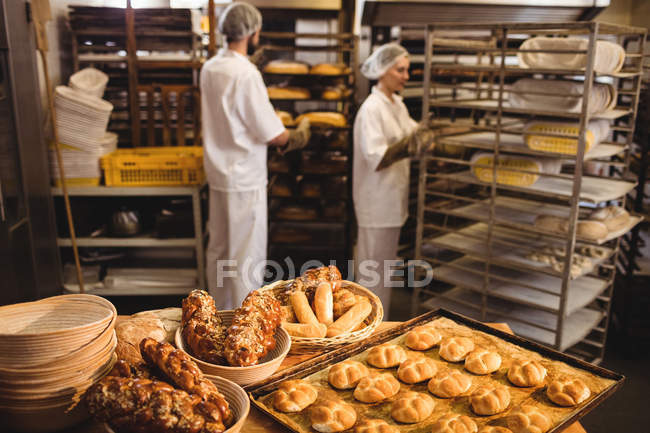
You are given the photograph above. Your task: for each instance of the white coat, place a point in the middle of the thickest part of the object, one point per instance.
(238, 122)
(380, 197)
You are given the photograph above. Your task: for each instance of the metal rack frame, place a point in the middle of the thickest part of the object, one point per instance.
(345, 47)
(505, 286)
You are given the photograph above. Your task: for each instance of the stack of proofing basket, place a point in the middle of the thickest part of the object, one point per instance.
(82, 118)
(52, 350)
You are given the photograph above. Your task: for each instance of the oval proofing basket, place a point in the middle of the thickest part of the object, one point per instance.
(314, 344)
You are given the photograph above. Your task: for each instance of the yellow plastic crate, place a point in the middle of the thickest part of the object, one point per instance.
(76, 181)
(505, 176)
(565, 145)
(154, 166)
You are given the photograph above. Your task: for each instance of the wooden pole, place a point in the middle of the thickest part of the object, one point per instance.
(42, 15)
(132, 65)
(212, 38)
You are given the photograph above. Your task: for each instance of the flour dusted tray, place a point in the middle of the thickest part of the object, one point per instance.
(600, 381)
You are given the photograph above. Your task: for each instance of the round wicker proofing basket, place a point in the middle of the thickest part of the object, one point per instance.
(314, 344)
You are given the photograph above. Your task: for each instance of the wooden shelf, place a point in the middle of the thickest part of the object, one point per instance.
(134, 242)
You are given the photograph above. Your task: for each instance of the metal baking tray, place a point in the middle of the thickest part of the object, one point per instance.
(561, 417)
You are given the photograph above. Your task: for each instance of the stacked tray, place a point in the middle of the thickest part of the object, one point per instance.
(52, 351)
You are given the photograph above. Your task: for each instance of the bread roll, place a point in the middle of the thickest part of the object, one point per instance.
(308, 330)
(449, 383)
(526, 373)
(416, 370)
(494, 429)
(455, 349)
(351, 319)
(343, 301)
(490, 400)
(347, 374)
(327, 69)
(614, 217)
(286, 67)
(332, 416)
(375, 426)
(278, 92)
(285, 117)
(528, 419)
(592, 230)
(412, 407)
(324, 118)
(568, 392)
(453, 423)
(482, 361)
(301, 308)
(422, 338)
(386, 356)
(287, 314)
(324, 303)
(376, 387)
(294, 396)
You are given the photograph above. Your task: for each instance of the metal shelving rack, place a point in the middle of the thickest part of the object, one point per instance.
(477, 238)
(325, 164)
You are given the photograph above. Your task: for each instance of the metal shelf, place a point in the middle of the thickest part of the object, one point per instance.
(99, 290)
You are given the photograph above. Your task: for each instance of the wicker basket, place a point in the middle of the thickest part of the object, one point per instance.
(313, 344)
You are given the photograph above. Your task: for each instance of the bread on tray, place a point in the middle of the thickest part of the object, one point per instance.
(294, 396)
(286, 67)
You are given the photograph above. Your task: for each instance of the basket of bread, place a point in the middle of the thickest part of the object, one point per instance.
(322, 311)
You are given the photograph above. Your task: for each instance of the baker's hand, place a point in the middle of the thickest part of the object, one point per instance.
(299, 137)
(413, 145)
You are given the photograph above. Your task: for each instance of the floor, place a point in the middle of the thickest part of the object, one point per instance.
(628, 410)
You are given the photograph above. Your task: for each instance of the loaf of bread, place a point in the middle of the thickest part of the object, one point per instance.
(568, 392)
(415, 370)
(422, 338)
(306, 330)
(586, 229)
(482, 361)
(324, 303)
(386, 356)
(285, 117)
(449, 383)
(376, 387)
(528, 419)
(614, 217)
(280, 92)
(343, 301)
(347, 374)
(351, 319)
(412, 407)
(324, 118)
(294, 396)
(131, 331)
(301, 308)
(332, 93)
(332, 416)
(490, 400)
(454, 423)
(375, 426)
(286, 67)
(526, 373)
(455, 349)
(328, 69)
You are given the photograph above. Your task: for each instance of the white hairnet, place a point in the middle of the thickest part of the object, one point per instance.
(382, 59)
(239, 20)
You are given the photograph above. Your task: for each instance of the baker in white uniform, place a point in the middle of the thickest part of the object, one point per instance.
(239, 123)
(381, 193)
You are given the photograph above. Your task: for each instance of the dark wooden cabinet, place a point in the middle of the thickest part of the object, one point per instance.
(28, 256)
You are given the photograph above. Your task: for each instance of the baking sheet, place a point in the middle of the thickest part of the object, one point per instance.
(593, 189)
(472, 240)
(600, 381)
(517, 211)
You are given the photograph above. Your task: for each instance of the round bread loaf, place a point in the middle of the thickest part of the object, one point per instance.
(455, 349)
(449, 383)
(614, 217)
(526, 373)
(528, 419)
(376, 387)
(294, 396)
(422, 338)
(593, 230)
(490, 400)
(160, 325)
(416, 370)
(375, 426)
(386, 356)
(412, 407)
(347, 374)
(568, 392)
(481, 361)
(332, 416)
(454, 423)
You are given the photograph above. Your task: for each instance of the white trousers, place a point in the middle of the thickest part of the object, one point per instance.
(237, 246)
(374, 247)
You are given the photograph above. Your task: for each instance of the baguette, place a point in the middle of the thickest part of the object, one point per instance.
(305, 329)
(301, 308)
(350, 320)
(324, 303)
